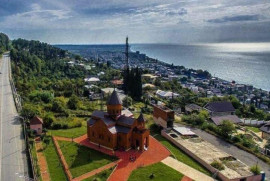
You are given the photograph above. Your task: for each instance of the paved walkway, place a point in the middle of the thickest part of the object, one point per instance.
(155, 153)
(42, 162)
(186, 170)
(185, 178)
(96, 171)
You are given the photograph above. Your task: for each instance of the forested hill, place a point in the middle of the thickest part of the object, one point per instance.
(4, 43)
(40, 66)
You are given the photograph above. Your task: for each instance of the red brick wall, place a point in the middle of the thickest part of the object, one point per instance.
(99, 133)
(158, 112)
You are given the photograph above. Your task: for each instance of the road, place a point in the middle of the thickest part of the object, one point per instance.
(13, 163)
(242, 155)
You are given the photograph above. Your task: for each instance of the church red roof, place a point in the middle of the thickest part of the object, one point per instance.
(36, 120)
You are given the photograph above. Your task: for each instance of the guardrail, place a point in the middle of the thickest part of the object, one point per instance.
(18, 105)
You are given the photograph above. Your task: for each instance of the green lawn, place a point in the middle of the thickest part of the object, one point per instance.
(81, 159)
(69, 133)
(102, 176)
(55, 167)
(160, 172)
(181, 156)
(254, 129)
(35, 160)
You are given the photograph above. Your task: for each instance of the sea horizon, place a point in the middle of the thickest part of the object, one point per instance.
(245, 63)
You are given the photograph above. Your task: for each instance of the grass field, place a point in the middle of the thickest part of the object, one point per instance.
(69, 133)
(102, 176)
(160, 172)
(181, 156)
(254, 129)
(55, 167)
(81, 159)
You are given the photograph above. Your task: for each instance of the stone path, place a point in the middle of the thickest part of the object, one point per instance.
(155, 153)
(96, 171)
(185, 178)
(186, 170)
(42, 162)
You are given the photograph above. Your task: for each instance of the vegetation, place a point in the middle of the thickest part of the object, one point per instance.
(54, 165)
(102, 176)
(4, 43)
(69, 133)
(81, 159)
(155, 172)
(254, 129)
(133, 83)
(227, 128)
(218, 165)
(256, 170)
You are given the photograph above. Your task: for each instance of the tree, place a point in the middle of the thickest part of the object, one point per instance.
(29, 111)
(48, 120)
(58, 105)
(73, 102)
(227, 128)
(127, 101)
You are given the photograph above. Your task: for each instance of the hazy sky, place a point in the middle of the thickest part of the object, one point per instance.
(144, 21)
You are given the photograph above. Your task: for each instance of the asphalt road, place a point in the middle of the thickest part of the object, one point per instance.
(242, 155)
(13, 164)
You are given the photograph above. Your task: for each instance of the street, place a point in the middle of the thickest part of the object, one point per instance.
(13, 165)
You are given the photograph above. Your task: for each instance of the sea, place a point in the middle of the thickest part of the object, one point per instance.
(247, 63)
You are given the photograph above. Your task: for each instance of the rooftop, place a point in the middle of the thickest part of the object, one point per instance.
(114, 99)
(222, 106)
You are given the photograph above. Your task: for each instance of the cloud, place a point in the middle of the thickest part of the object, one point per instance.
(238, 18)
(107, 21)
(180, 12)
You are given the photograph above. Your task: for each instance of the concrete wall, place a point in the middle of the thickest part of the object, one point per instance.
(265, 135)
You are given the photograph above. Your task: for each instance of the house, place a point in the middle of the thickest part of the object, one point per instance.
(166, 94)
(192, 108)
(265, 131)
(220, 108)
(117, 129)
(91, 80)
(163, 116)
(36, 125)
(220, 111)
(149, 77)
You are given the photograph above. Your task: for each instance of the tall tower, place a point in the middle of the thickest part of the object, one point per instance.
(127, 49)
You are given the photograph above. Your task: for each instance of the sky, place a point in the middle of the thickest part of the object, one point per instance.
(144, 21)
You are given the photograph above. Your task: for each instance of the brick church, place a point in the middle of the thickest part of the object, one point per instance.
(117, 129)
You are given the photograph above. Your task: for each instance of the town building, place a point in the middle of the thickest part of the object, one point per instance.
(163, 116)
(36, 125)
(117, 129)
(220, 111)
(166, 94)
(265, 131)
(192, 108)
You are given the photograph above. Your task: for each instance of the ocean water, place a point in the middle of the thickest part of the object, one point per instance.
(247, 63)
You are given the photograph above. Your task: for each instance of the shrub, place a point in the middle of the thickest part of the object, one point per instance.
(48, 120)
(236, 139)
(218, 165)
(73, 102)
(227, 128)
(256, 170)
